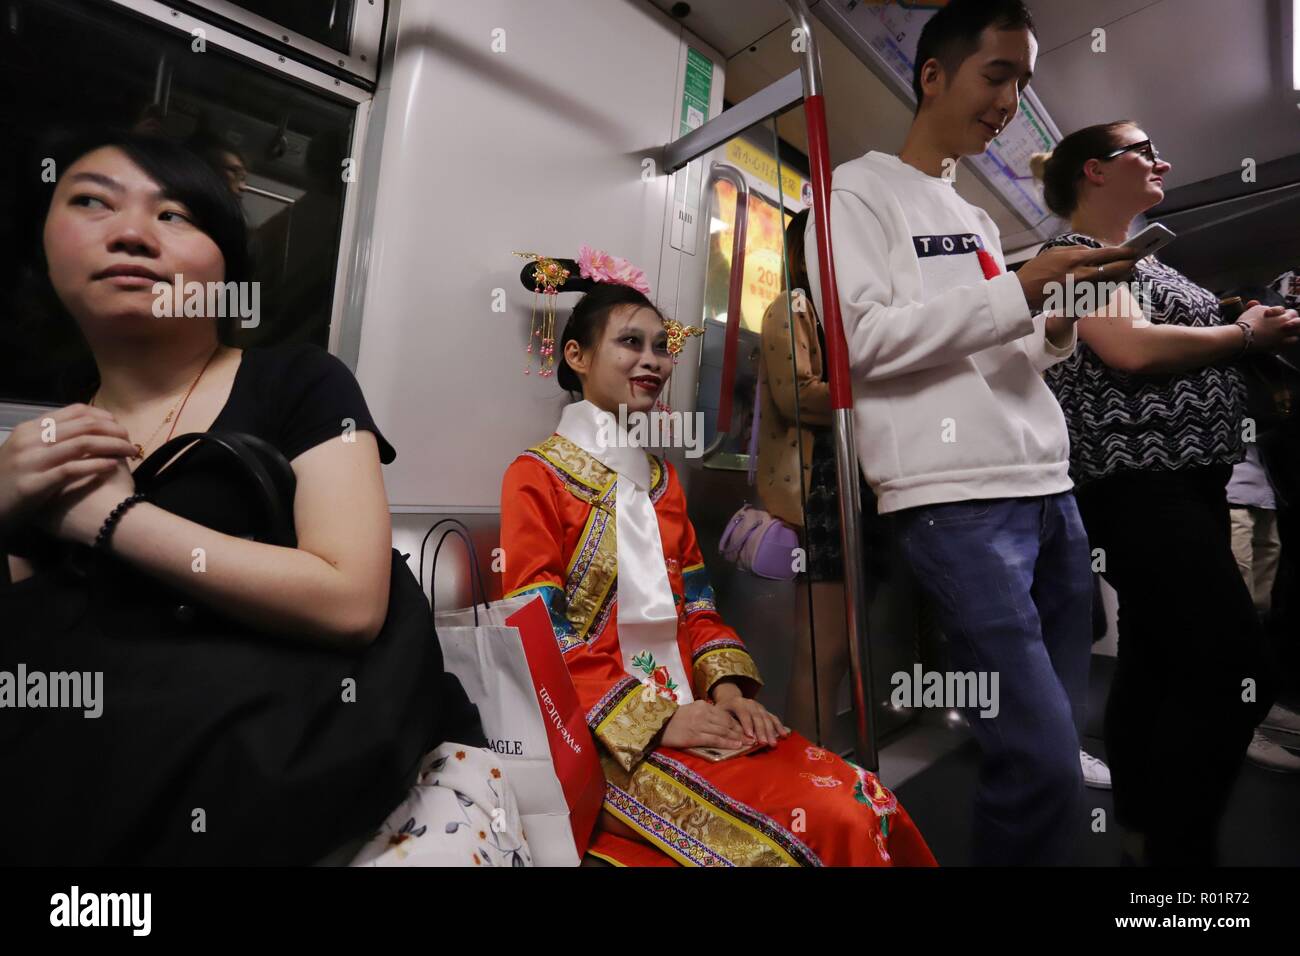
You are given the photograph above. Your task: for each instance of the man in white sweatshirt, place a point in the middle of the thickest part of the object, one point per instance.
(959, 436)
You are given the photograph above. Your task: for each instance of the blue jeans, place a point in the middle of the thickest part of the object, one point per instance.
(1012, 587)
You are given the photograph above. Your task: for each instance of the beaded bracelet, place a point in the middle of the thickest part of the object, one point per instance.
(1248, 338)
(101, 539)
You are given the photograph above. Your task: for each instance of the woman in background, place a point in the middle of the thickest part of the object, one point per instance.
(795, 435)
(1154, 416)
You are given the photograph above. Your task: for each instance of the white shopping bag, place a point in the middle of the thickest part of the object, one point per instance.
(507, 659)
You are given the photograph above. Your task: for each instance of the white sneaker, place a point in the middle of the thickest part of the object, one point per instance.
(1282, 721)
(1095, 773)
(1271, 756)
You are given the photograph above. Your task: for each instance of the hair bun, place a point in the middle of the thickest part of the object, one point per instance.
(1038, 164)
(575, 283)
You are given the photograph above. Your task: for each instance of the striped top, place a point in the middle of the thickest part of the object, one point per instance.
(1125, 421)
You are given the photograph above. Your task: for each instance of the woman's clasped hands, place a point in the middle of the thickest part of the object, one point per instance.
(67, 470)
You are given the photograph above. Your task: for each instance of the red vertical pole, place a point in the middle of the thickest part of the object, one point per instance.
(819, 161)
(846, 458)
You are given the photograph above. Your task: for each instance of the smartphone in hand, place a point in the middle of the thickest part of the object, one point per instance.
(719, 754)
(1151, 239)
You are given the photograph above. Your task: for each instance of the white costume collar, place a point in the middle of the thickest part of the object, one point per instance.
(647, 613)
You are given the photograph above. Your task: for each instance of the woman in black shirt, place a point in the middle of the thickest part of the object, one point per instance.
(1155, 424)
(218, 654)
(125, 220)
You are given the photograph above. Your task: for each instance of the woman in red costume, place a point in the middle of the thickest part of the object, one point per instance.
(598, 527)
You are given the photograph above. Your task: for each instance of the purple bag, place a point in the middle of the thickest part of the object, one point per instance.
(756, 541)
(760, 544)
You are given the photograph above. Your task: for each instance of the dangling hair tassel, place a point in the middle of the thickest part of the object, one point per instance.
(548, 277)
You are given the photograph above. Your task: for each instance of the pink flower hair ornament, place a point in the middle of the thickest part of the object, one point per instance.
(602, 267)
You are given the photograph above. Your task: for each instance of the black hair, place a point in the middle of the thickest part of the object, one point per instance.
(184, 177)
(953, 34)
(1060, 169)
(587, 322)
(795, 258)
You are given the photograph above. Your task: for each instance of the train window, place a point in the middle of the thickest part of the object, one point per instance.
(66, 64)
(326, 21)
(769, 207)
(333, 34)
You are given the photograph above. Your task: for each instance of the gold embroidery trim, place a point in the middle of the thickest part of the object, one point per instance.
(702, 821)
(724, 662)
(633, 723)
(567, 457)
(598, 543)
(576, 463)
(598, 546)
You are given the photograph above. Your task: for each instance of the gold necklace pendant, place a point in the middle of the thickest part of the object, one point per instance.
(178, 405)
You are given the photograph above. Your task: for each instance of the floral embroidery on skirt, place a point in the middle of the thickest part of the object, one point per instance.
(872, 792)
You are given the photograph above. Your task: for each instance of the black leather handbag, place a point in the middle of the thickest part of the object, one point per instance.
(216, 744)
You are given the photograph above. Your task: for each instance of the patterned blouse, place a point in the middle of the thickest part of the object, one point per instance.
(1120, 420)
(1287, 285)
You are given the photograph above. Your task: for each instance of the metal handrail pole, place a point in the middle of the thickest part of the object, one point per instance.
(736, 284)
(846, 458)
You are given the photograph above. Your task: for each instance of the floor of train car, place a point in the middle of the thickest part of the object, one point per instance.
(932, 765)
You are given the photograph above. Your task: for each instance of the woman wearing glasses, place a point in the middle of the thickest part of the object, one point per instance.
(1154, 409)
